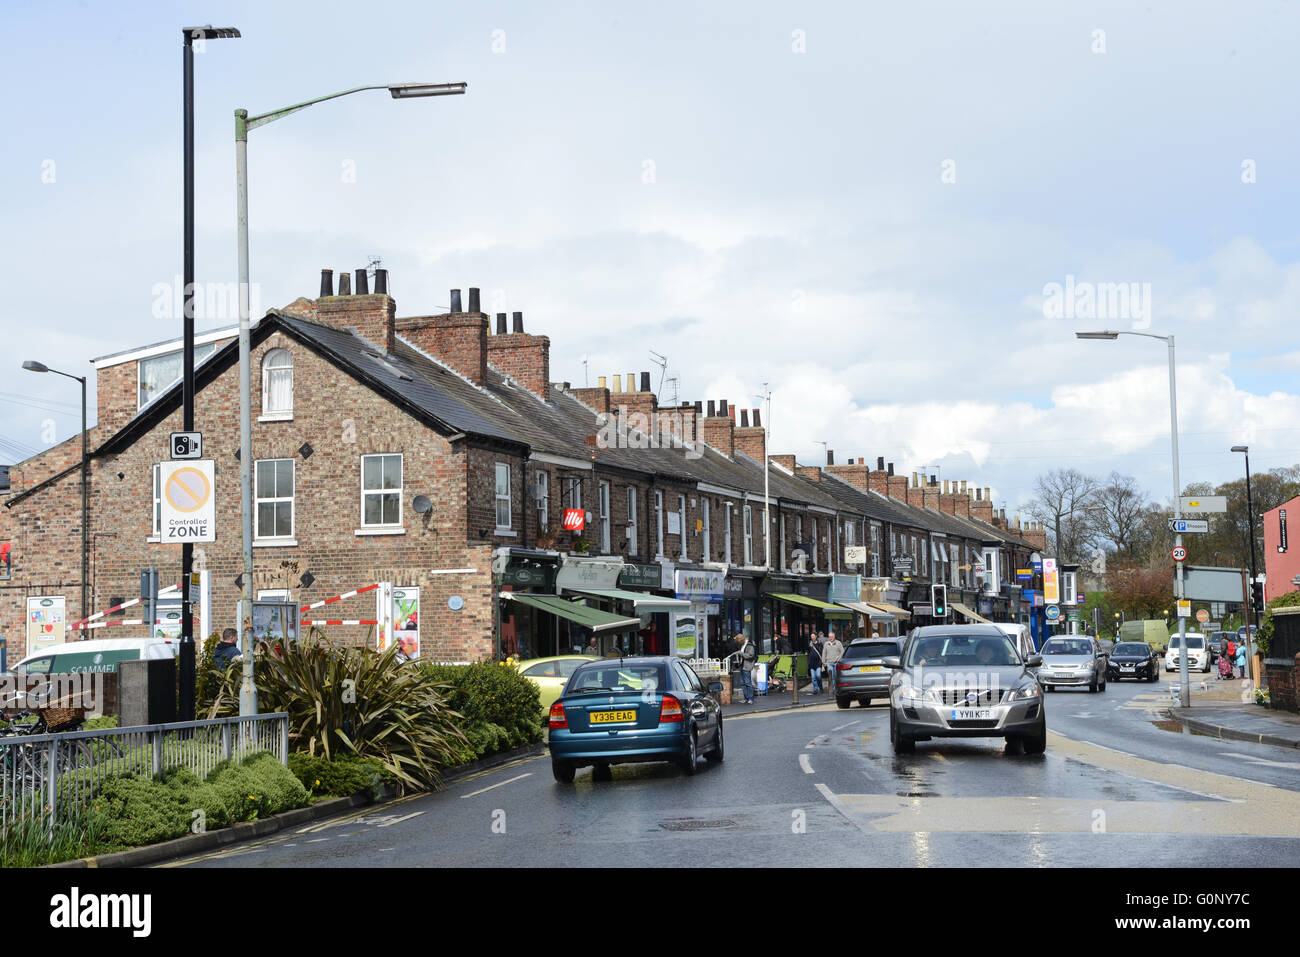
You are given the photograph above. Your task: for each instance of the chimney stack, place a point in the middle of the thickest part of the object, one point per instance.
(457, 339)
(455, 301)
(750, 439)
(363, 282)
(370, 317)
(326, 283)
(473, 299)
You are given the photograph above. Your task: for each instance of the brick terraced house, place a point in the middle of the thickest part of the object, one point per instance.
(362, 416)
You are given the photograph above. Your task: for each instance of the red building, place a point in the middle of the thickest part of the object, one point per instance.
(1281, 562)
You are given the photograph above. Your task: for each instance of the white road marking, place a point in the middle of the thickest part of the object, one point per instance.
(401, 819)
(849, 725)
(518, 777)
(1264, 761)
(804, 763)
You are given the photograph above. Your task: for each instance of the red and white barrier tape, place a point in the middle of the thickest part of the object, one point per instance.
(117, 608)
(340, 621)
(326, 601)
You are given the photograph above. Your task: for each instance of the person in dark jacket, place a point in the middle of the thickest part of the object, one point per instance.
(815, 662)
(227, 649)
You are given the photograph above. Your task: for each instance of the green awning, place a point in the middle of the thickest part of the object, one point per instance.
(592, 618)
(639, 599)
(827, 610)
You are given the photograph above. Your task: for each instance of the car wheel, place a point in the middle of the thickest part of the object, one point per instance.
(902, 745)
(865, 702)
(844, 702)
(691, 759)
(1103, 683)
(1035, 743)
(1093, 687)
(563, 771)
(602, 772)
(716, 754)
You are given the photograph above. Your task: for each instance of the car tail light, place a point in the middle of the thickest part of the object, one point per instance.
(843, 666)
(670, 710)
(558, 720)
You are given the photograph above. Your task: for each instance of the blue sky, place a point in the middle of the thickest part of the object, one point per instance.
(797, 228)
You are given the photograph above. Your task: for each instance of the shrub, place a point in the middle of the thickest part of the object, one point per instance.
(343, 776)
(356, 701)
(207, 676)
(28, 842)
(256, 787)
(98, 724)
(1264, 636)
(141, 811)
(501, 707)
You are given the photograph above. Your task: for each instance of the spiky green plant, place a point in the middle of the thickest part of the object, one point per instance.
(356, 701)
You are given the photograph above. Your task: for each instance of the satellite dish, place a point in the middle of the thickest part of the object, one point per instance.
(422, 505)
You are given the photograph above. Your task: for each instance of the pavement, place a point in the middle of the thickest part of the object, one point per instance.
(1227, 709)
(775, 702)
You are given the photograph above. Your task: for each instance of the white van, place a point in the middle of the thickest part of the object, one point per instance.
(96, 655)
(1020, 637)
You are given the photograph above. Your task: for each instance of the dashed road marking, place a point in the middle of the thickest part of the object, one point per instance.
(805, 764)
(518, 777)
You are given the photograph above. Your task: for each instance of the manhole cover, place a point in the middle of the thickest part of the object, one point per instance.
(694, 825)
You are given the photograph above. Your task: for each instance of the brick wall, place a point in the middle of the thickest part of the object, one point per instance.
(371, 316)
(525, 358)
(458, 339)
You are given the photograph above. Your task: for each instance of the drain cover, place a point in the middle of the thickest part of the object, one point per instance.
(690, 824)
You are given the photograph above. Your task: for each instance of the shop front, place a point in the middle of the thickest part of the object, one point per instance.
(636, 594)
(525, 631)
(795, 615)
(703, 590)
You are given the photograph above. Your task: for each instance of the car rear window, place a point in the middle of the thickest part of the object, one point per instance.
(1065, 646)
(870, 649)
(615, 677)
(1131, 649)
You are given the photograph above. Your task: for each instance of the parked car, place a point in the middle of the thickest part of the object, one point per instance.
(615, 711)
(550, 675)
(1198, 656)
(1133, 659)
(964, 681)
(861, 673)
(1073, 661)
(1020, 637)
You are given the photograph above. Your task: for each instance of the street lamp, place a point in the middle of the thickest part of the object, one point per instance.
(31, 365)
(244, 123)
(1185, 681)
(1254, 573)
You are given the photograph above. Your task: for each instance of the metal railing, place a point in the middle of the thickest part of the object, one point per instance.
(53, 774)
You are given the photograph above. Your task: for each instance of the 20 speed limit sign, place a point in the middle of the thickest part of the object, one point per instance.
(1179, 553)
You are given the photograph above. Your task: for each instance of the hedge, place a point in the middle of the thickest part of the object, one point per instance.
(500, 707)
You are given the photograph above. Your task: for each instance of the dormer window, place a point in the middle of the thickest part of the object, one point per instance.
(277, 385)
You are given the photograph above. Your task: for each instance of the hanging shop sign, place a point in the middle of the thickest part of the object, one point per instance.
(699, 584)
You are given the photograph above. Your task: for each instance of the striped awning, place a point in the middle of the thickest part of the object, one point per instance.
(871, 611)
(892, 609)
(961, 609)
(828, 610)
(593, 618)
(641, 601)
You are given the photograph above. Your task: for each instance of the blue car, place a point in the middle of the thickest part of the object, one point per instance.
(621, 710)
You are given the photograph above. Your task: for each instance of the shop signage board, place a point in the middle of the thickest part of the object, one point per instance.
(699, 584)
(47, 619)
(575, 520)
(845, 588)
(855, 555)
(1024, 574)
(406, 620)
(645, 575)
(580, 573)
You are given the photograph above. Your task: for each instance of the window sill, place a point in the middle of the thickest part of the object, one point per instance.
(275, 542)
(381, 530)
(275, 417)
(505, 533)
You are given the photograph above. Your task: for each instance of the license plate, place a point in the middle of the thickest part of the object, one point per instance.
(970, 714)
(1127, 667)
(862, 668)
(611, 717)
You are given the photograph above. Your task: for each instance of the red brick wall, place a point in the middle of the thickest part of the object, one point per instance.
(523, 357)
(750, 441)
(458, 339)
(371, 316)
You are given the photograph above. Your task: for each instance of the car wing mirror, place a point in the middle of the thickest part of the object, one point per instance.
(893, 661)
(715, 687)
(1033, 661)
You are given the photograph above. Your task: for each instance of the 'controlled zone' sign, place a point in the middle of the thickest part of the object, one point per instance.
(188, 510)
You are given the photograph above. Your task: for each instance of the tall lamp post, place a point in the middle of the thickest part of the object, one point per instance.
(185, 658)
(244, 123)
(1251, 616)
(1184, 679)
(31, 365)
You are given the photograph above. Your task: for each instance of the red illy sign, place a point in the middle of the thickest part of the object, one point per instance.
(574, 519)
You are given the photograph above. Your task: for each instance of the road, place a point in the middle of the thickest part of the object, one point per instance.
(821, 786)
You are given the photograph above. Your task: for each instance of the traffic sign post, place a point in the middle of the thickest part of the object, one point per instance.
(188, 511)
(1196, 526)
(1179, 553)
(1202, 503)
(187, 445)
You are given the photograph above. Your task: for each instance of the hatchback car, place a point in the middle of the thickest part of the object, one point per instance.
(1133, 659)
(620, 710)
(1198, 656)
(861, 672)
(964, 681)
(1073, 660)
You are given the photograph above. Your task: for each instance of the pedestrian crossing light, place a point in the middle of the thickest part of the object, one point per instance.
(939, 600)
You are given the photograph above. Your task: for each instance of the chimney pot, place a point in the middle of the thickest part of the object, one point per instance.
(722, 407)
(880, 463)
(345, 284)
(362, 282)
(381, 282)
(455, 301)
(473, 299)
(830, 456)
(713, 407)
(757, 423)
(631, 382)
(987, 496)
(326, 282)
(600, 382)
(889, 469)
(618, 384)
(645, 382)
(744, 418)
(501, 327)
(518, 322)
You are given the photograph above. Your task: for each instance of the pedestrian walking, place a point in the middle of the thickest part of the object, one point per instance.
(747, 658)
(815, 662)
(832, 652)
(1241, 660)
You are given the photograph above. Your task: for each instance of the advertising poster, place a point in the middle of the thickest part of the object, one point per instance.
(684, 630)
(46, 621)
(406, 621)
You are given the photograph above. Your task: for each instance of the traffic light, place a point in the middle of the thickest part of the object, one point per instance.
(1257, 594)
(939, 600)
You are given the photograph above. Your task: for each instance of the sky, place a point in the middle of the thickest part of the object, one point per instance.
(864, 208)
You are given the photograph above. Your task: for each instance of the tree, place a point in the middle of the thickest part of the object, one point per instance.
(1227, 544)
(1141, 591)
(1061, 502)
(1125, 518)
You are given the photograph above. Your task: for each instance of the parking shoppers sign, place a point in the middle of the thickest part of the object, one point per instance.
(189, 511)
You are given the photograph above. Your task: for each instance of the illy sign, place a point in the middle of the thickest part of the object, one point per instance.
(575, 519)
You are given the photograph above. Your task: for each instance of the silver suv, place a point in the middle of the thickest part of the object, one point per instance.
(964, 681)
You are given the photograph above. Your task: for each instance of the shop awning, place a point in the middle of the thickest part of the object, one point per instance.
(593, 618)
(892, 609)
(862, 608)
(827, 610)
(963, 610)
(640, 600)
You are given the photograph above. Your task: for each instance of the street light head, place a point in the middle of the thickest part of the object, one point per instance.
(31, 365)
(209, 32)
(1096, 335)
(1240, 448)
(402, 91)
